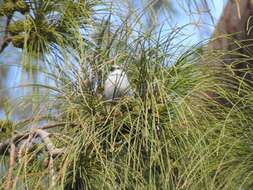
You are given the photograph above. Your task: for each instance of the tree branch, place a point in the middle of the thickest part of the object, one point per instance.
(53, 151)
(4, 146)
(4, 42)
(25, 145)
(9, 178)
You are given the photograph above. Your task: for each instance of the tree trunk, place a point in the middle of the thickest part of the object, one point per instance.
(234, 34)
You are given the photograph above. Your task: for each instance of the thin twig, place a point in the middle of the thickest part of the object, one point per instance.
(36, 119)
(238, 8)
(50, 126)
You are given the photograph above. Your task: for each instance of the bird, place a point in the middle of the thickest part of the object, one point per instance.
(116, 84)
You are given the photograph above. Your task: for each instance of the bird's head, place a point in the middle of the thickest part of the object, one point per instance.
(115, 67)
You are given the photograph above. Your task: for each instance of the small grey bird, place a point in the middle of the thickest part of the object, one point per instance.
(117, 84)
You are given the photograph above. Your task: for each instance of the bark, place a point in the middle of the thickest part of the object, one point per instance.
(9, 178)
(234, 34)
(16, 139)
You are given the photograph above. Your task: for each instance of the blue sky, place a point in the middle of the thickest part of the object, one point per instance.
(203, 29)
(199, 26)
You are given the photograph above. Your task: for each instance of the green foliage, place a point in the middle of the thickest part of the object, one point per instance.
(6, 129)
(47, 24)
(186, 127)
(8, 7)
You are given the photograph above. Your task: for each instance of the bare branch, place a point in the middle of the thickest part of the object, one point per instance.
(52, 172)
(50, 126)
(4, 146)
(4, 42)
(53, 151)
(25, 145)
(9, 179)
(36, 119)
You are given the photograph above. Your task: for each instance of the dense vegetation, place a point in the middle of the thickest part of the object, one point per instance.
(188, 126)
